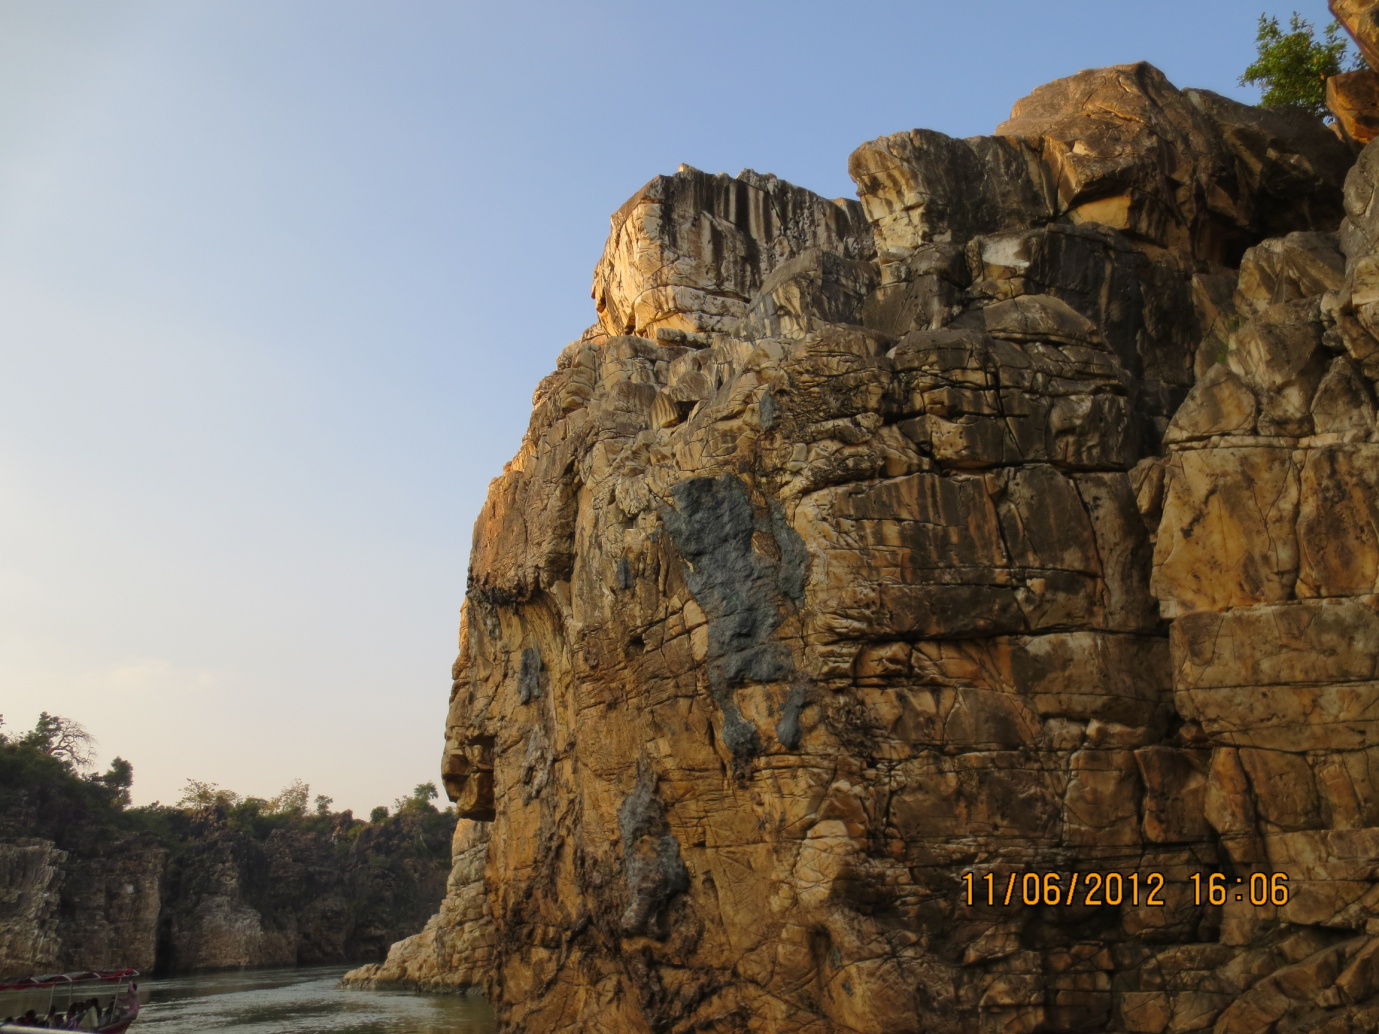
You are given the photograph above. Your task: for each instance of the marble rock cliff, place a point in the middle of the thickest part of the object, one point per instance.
(1018, 517)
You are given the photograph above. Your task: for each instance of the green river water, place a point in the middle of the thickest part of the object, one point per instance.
(299, 1001)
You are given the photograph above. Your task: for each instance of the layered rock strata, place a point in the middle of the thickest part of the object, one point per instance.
(1017, 520)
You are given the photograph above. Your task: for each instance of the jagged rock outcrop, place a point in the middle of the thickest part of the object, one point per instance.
(997, 527)
(688, 252)
(296, 898)
(1353, 97)
(1360, 18)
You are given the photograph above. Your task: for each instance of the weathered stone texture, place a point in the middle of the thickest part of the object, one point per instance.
(1353, 98)
(1360, 18)
(823, 577)
(1266, 560)
(97, 909)
(688, 252)
(30, 887)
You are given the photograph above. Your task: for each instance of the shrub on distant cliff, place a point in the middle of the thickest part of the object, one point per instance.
(1293, 66)
(44, 792)
(42, 788)
(419, 800)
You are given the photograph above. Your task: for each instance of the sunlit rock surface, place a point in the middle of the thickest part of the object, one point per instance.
(1018, 520)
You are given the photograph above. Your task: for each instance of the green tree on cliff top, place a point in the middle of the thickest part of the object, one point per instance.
(1293, 66)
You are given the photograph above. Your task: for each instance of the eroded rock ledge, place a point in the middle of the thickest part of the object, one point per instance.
(1020, 517)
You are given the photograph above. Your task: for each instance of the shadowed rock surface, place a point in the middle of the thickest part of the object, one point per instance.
(1020, 519)
(210, 896)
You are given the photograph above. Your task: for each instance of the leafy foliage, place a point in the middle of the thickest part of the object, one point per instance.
(199, 794)
(1292, 67)
(119, 777)
(44, 791)
(419, 802)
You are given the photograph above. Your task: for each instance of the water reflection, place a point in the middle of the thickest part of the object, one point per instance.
(301, 1001)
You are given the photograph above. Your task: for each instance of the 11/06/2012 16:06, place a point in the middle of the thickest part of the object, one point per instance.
(1100, 889)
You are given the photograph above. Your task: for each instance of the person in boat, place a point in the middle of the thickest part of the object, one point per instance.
(77, 1015)
(87, 1019)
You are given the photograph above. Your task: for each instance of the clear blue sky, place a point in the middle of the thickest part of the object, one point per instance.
(277, 281)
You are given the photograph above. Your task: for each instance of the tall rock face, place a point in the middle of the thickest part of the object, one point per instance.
(95, 905)
(1361, 19)
(868, 564)
(1266, 562)
(30, 878)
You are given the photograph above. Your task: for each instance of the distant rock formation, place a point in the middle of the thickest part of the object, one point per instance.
(225, 899)
(1021, 522)
(95, 905)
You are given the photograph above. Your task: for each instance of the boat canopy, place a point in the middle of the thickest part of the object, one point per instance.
(54, 980)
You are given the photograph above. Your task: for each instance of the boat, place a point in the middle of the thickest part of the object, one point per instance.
(95, 1001)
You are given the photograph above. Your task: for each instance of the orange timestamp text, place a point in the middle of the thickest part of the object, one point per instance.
(1100, 889)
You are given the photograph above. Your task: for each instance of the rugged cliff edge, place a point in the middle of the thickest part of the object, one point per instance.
(1019, 517)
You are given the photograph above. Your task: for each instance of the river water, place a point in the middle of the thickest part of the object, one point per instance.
(300, 1001)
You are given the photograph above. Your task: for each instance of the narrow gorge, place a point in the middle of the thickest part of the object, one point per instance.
(1016, 518)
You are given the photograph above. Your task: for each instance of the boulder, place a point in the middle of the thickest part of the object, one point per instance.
(1353, 98)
